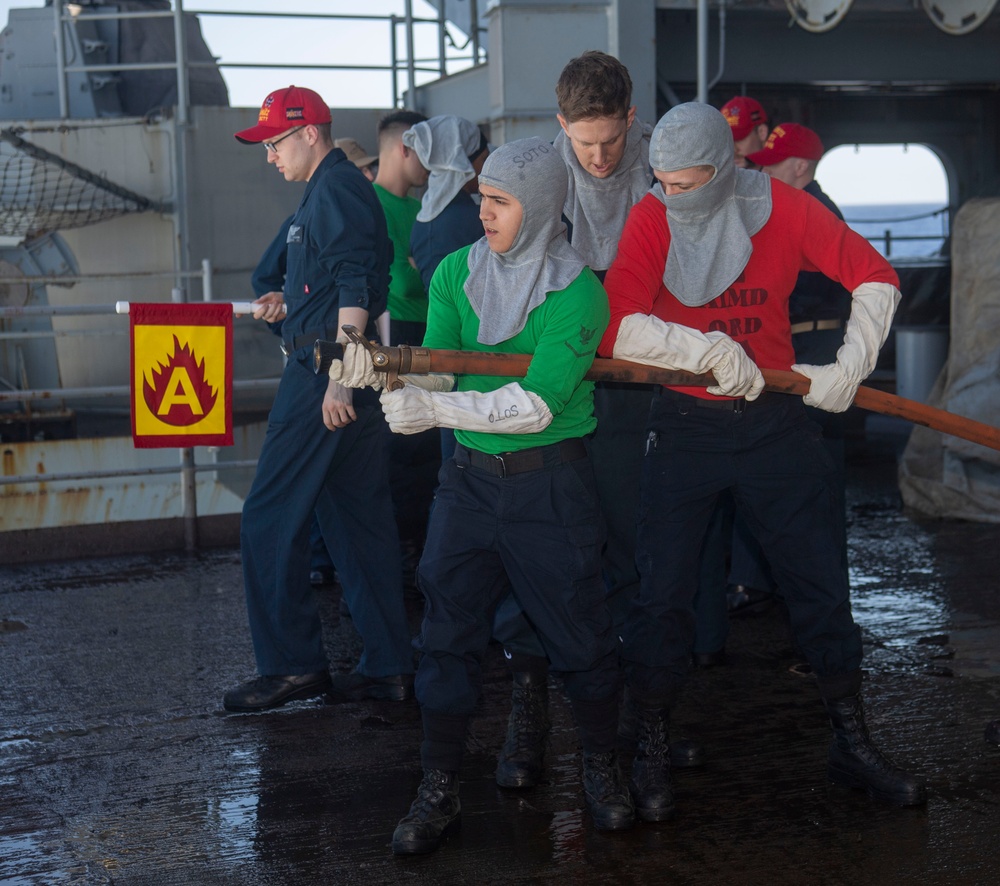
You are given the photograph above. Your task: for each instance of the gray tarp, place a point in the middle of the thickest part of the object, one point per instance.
(941, 475)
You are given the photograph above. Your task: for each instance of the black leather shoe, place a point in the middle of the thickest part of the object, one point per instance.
(356, 687)
(273, 690)
(992, 733)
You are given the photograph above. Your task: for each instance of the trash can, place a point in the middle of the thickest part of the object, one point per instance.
(921, 351)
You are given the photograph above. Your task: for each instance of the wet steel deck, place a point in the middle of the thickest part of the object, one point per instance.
(118, 765)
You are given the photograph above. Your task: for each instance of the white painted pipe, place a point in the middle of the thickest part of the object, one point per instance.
(239, 307)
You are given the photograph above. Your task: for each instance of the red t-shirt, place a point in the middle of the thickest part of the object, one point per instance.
(801, 235)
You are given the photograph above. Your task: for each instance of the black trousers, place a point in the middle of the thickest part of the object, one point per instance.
(783, 482)
(537, 535)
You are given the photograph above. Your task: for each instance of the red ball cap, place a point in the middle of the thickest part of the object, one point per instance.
(285, 109)
(743, 113)
(788, 140)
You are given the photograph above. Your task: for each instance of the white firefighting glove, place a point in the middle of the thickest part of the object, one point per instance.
(507, 410)
(650, 340)
(834, 385)
(355, 370)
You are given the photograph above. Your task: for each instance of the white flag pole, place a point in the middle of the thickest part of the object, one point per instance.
(239, 307)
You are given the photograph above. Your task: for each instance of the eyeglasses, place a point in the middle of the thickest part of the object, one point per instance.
(273, 146)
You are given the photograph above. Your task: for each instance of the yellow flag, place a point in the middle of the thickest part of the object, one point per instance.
(182, 374)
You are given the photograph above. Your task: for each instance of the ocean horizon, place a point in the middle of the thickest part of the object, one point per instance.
(927, 221)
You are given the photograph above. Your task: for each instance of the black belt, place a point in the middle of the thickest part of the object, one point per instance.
(508, 463)
(303, 341)
(735, 405)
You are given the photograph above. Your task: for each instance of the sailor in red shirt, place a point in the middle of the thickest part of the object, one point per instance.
(701, 282)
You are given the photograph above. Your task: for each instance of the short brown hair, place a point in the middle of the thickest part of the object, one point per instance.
(394, 124)
(594, 84)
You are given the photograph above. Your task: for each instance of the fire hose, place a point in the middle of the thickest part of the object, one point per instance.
(403, 360)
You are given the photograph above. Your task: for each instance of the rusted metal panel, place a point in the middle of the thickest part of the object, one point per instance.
(44, 504)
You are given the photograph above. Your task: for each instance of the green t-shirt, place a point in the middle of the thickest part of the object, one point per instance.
(407, 298)
(562, 334)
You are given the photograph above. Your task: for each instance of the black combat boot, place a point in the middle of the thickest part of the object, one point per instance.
(519, 763)
(685, 753)
(607, 797)
(650, 783)
(855, 762)
(435, 812)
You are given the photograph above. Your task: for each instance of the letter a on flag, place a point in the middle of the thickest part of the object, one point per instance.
(182, 375)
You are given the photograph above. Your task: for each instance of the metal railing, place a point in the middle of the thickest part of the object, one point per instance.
(887, 238)
(124, 472)
(403, 58)
(9, 312)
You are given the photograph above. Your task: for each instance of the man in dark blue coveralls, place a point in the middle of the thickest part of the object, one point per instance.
(269, 276)
(325, 445)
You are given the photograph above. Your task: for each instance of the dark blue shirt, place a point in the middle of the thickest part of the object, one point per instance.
(338, 250)
(816, 296)
(457, 225)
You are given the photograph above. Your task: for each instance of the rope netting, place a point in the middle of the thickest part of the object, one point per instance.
(42, 192)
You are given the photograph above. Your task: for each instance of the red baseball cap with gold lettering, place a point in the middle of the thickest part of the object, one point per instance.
(788, 140)
(743, 113)
(285, 109)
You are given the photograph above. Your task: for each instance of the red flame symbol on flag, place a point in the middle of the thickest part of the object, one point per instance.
(179, 395)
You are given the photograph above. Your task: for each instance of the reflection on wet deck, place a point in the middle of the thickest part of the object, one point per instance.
(117, 764)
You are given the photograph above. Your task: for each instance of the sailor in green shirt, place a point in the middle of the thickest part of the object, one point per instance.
(559, 332)
(407, 298)
(516, 509)
(413, 461)
(399, 171)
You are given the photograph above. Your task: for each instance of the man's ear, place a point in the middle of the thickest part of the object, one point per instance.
(630, 118)
(563, 124)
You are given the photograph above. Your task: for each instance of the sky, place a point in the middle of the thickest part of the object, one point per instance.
(880, 174)
(873, 174)
(250, 39)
